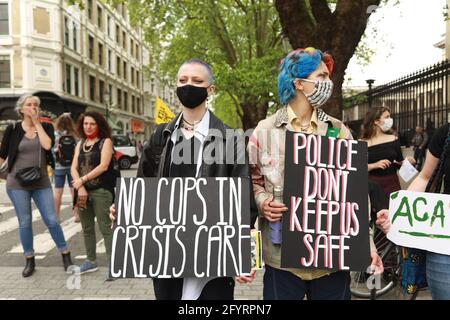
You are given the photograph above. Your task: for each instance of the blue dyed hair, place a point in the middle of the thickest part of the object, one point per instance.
(299, 64)
(204, 64)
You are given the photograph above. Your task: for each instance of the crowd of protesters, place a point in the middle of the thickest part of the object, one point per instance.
(84, 158)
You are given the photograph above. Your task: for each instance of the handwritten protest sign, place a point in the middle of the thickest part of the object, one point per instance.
(326, 192)
(420, 220)
(181, 227)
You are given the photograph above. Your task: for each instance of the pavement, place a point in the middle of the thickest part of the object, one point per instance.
(50, 282)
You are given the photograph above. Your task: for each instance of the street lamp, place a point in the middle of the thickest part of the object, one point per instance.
(369, 93)
(106, 99)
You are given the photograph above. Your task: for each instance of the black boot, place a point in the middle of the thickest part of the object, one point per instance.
(66, 260)
(29, 267)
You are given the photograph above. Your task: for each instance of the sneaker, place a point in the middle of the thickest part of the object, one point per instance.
(88, 266)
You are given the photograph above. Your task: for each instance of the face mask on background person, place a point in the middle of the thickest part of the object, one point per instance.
(387, 125)
(321, 93)
(192, 96)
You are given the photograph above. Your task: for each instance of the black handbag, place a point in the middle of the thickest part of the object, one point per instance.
(29, 175)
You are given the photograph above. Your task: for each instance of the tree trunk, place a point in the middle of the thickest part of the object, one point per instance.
(253, 112)
(338, 33)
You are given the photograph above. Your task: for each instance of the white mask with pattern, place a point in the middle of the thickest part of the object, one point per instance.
(321, 93)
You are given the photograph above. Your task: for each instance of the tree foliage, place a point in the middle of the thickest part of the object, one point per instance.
(243, 41)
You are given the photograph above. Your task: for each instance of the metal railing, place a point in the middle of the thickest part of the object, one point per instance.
(419, 99)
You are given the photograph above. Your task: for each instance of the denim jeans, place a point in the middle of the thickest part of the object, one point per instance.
(438, 275)
(43, 198)
(60, 177)
(284, 285)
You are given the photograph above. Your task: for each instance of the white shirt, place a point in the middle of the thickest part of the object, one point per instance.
(193, 287)
(200, 132)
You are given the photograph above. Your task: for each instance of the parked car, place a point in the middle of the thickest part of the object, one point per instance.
(126, 153)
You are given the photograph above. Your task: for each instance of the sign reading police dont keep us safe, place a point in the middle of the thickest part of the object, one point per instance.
(326, 192)
(181, 227)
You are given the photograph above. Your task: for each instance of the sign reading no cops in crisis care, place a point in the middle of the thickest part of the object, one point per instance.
(326, 192)
(181, 227)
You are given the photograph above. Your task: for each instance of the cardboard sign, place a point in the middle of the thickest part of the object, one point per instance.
(420, 220)
(326, 192)
(181, 227)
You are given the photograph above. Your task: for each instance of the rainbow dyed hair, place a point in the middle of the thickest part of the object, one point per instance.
(299, 63)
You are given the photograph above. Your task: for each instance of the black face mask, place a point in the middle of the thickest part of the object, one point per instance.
(192, 96)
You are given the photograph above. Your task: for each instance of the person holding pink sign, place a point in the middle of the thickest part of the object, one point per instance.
(304, 86)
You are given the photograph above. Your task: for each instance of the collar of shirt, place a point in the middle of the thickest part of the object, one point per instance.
(201, 132)
(295, 121)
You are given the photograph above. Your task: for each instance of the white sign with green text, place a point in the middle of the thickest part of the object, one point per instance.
(420, 220)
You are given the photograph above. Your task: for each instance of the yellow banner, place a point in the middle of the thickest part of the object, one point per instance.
(163, 113)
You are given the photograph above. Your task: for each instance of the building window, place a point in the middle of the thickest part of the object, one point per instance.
(99, 17)
(125, 70)
(133, 106)
(68, 78)
(75, 36)
(108, 26)
(4, 19)
(119, 98)
(89, 9)
(109, 60)
(138, 80)
(131, 47)
(66, 32)
(124, 40)
(5, 72)
(125, 101)
(91, 48)
(117, 34)
(118, 65)
(137, 52)
(132, 75)
(92, 88)
(138, 106)
(101, 86)
(76, 75)
(100, 54)
(111, 93)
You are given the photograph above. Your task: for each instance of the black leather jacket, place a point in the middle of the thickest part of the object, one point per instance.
(155, 159)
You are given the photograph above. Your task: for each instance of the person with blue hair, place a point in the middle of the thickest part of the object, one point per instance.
(304, 86)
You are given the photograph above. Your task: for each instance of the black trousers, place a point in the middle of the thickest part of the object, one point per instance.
(216, 289)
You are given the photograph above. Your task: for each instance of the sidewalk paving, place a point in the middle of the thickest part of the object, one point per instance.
(51, 283)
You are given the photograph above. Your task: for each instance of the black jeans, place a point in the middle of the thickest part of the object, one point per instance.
(216, 289)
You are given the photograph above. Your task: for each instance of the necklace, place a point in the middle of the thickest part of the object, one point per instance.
(187, 125)
(305, 127)
(184, 126)
(90, 147)
(187, 122)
